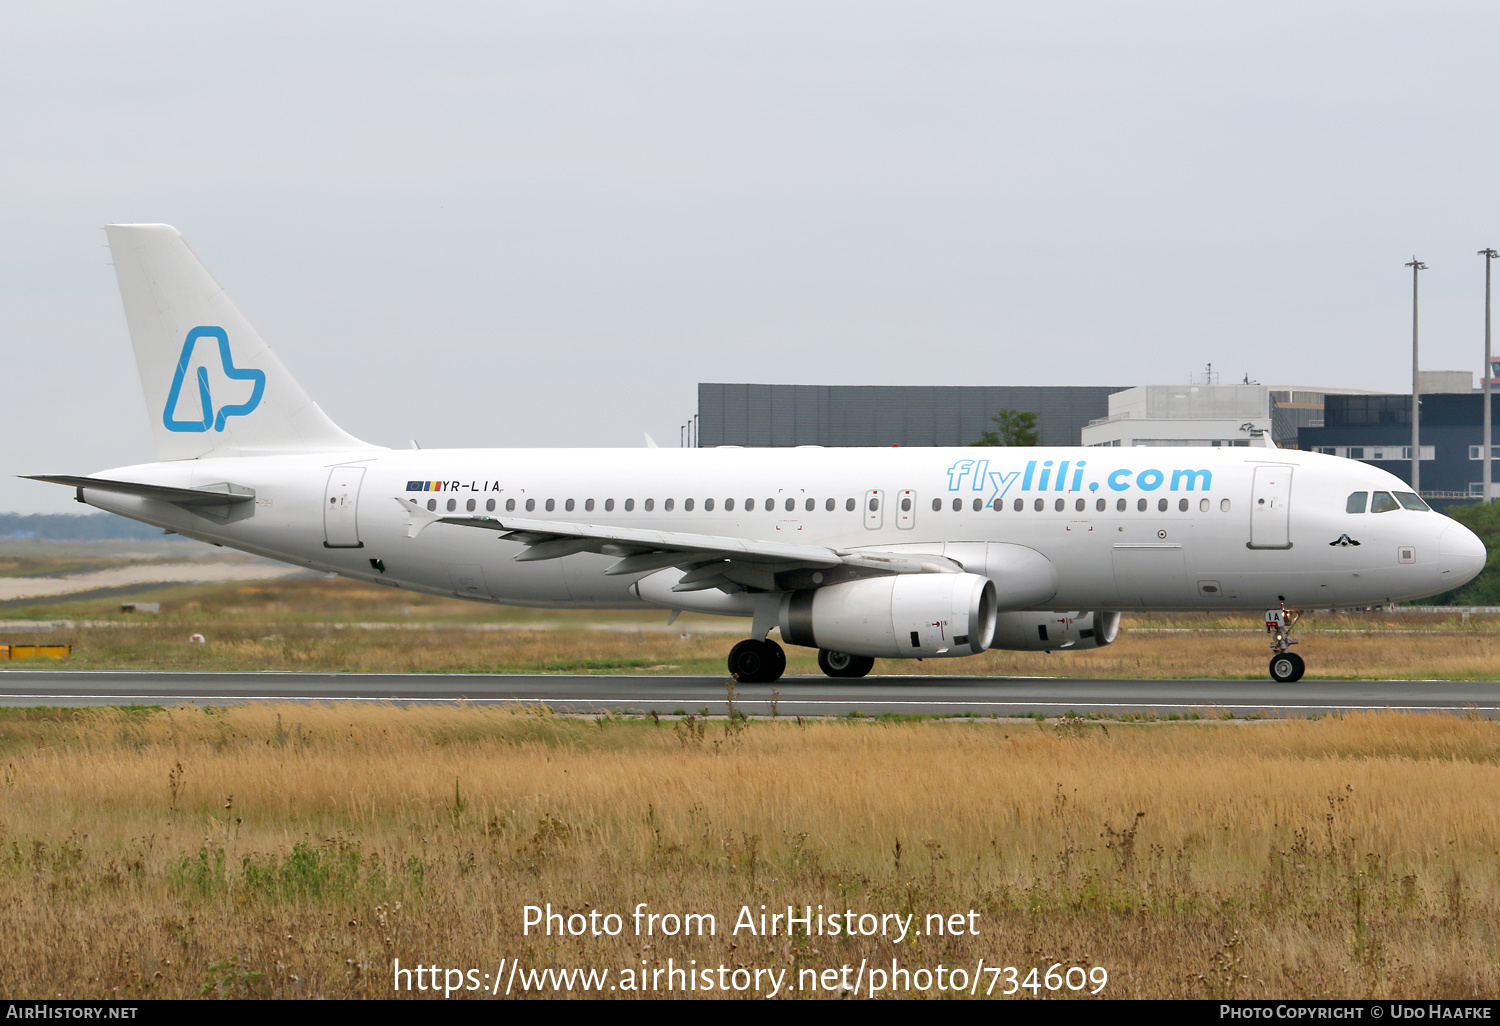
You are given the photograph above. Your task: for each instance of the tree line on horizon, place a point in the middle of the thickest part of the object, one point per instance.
(75, 527)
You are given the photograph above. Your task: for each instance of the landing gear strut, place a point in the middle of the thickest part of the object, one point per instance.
(1287, 666)
(842, 664)
(757, 662)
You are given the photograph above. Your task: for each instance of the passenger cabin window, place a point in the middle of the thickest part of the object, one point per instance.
(452, 505)
(708, 505)
(978, 505)
(1383, 502)
(470, 505)
(729, 505)
(551, 505)
(906, 504)
(609, 505)
(649, 505)
(1411, 500)
(1119, 505)
(770, 505)
(1019, 505)
(1161, 505)
(1040, 504)
(1141, 506)
(687, 505)
(849, 505)
(629, 505)
(667, 506)
(588, 505)
(489, 506)
(530, 505)
(568, 505)
(791, 504)
(1356, 503)
(510, 505)
(749, 505)
(431, 505)
(829, 505)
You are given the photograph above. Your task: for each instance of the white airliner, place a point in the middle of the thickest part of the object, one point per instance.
(901, 553)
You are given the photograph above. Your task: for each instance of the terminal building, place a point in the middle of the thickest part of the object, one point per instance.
(885, 415)
(1373, 427)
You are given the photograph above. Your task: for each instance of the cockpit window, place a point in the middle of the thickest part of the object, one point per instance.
(1411, 500)
(1382, 502)
(1356, 503)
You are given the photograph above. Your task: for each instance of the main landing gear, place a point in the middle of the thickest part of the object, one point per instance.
(842, 664)
(757, 662)
(1287, 666)
(762, 662)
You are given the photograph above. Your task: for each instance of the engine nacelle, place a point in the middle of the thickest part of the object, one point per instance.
(900, 617)
(1046, 632)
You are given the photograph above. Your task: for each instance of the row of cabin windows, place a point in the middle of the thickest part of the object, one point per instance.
(1384, 502)
(649, 505)
(809, 505)
(1079, 505)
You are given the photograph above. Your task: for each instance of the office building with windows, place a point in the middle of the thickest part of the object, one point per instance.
(1377, 429)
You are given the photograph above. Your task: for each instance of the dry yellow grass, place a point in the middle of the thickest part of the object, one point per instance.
(1357, 856)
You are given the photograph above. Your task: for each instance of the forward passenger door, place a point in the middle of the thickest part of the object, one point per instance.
(1270, 506)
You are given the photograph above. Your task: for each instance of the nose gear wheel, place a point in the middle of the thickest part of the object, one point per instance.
(1286, 666)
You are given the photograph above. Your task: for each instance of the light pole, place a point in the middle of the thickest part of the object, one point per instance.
(1488, 254)
(1416, 451)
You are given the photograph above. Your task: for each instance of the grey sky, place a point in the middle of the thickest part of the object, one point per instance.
(542, 224)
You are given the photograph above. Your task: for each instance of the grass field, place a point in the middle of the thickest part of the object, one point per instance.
(288, 851)
(341, 625)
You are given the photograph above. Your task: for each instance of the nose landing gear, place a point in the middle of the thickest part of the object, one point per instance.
(1287, 666)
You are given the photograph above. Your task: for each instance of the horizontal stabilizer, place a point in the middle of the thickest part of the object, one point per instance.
(209, 495)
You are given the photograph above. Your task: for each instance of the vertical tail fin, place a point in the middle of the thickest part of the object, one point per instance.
(213, 387)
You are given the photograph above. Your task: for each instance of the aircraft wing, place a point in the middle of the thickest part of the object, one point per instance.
(711, 560)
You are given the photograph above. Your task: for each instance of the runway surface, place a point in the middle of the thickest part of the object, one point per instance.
(818, 696)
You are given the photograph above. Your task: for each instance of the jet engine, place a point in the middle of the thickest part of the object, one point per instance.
(900, 617)
(1030, 631)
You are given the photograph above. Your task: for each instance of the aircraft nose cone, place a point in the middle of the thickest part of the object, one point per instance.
(1461, 555)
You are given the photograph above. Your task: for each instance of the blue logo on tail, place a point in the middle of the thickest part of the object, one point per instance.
(205, 399)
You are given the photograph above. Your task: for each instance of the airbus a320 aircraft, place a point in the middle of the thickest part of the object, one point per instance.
(860, 553)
